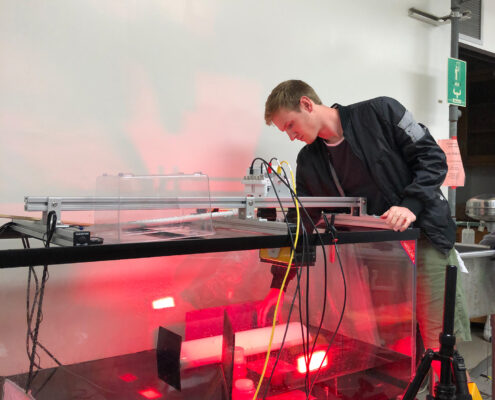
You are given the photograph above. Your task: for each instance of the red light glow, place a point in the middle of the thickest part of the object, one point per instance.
(314, 364)
(128, 377)
(150, 393)
(164, 302)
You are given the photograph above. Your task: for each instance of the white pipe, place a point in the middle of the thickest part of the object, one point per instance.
(254, 341)
(184, 218)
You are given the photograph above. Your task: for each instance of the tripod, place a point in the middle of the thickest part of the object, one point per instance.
(453, 379)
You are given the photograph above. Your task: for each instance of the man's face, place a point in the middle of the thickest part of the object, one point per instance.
(300, 125)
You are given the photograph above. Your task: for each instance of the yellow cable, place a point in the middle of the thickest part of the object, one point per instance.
(291, 174)
(281, 290)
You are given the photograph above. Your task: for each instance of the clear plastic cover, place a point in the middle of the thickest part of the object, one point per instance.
(152, 207)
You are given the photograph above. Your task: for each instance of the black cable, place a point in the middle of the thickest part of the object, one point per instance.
(325, 285)
(296, 292)
(305, 344)
(308, 359)
(37, 301)
(307, 353)
(5, 227)
(30, 309)
(325, 275)
(294, 196)
(292, 303)
(51, 224)
(305, 341)
(341, 314)
(284, 336)
(36, 329)
(263, 162)
(293, 249)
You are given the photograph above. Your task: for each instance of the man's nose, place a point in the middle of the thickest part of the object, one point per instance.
(291, 135)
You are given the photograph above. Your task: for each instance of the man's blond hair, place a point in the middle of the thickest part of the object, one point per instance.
(287, 95)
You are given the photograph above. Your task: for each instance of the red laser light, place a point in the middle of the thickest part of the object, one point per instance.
(150, 393)
(164, 302)
(314, 364)
(128, 377)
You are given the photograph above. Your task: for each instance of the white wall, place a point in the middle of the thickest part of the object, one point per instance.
(102, 86)
(487, 28)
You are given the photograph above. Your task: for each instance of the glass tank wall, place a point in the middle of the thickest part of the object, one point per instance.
(197, 321)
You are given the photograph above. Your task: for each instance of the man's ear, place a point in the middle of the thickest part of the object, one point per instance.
(306, 103)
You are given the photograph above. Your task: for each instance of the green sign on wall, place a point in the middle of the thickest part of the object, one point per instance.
(457, 82)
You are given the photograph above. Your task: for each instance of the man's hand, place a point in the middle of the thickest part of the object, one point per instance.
(398, 218)
(267, 304)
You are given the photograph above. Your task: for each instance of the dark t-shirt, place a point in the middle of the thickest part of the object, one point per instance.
(354, 177)
(355, 181)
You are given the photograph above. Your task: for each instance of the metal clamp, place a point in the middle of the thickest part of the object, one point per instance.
(53, 204)
(248, 211)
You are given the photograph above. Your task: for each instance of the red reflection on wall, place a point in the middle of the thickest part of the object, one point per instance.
(128, 377)
(217, 138)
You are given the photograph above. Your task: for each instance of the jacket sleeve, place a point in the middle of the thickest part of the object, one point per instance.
(424, 158)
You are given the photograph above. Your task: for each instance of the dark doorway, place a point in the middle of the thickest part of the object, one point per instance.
(476, 128)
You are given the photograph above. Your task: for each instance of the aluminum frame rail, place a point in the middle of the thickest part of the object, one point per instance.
(245, 204)
(63, 236)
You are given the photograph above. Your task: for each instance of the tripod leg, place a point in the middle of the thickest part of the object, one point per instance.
(459, 369)
(421, 372)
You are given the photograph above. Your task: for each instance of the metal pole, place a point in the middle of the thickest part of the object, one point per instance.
(454, 112)
(492, 323)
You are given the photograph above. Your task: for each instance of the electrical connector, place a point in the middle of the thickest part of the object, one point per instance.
(259, 183)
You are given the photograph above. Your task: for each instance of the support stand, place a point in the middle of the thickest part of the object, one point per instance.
(453, 378)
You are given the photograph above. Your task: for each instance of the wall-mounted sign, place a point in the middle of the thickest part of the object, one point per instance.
(455, 175)
(456, 94)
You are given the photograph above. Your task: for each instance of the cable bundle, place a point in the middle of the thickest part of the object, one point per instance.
(307, 348)
(35, 308)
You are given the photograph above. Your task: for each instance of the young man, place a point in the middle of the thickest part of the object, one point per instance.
(375, 149)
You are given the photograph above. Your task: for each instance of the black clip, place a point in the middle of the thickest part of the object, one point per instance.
(330, 229)
(330, 225)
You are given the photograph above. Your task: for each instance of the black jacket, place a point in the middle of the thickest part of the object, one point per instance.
(402, 157)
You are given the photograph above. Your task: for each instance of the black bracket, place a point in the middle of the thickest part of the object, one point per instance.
(329, 225)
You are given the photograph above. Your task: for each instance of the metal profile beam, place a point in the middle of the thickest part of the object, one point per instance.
(62, 236)
(45, 204)
(253, 225)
